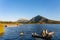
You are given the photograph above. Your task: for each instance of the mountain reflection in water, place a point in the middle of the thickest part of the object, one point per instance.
(13, 33)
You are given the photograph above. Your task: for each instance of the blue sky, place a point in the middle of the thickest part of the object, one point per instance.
(12, 10)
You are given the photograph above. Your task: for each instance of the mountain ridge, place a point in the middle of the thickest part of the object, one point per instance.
(37, 19)
(43, 20)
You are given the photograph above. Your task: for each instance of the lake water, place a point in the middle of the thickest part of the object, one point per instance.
(13, 33)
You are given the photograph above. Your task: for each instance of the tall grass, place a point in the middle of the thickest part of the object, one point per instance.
(2, 30)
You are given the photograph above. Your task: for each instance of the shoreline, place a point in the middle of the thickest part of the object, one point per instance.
(11, 25)
(14, 25)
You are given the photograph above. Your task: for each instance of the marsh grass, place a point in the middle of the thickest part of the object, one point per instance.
(2, 29)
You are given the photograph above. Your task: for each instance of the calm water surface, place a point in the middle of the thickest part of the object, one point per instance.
(13, 33)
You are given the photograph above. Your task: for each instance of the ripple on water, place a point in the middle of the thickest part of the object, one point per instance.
(13, 33)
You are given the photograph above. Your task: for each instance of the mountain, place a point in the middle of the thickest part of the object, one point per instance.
(43, 20)
(22, 20)
(37, 19)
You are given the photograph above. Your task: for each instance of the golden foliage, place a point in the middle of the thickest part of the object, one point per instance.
(1, 29)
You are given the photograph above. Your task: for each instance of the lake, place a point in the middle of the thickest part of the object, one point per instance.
(13, 33)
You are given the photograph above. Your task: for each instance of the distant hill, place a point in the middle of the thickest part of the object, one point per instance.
(42, 20)
(22, 20)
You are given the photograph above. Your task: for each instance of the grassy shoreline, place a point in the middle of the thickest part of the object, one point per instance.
(2, 29)
(10, 25)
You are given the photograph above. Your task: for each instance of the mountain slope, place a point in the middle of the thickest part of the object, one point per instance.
(22, 20)
(43, 20)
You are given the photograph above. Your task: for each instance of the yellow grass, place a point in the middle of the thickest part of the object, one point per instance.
(11, 24)
(1, 29)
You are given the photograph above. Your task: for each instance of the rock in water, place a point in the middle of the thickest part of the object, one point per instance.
(21, 33)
